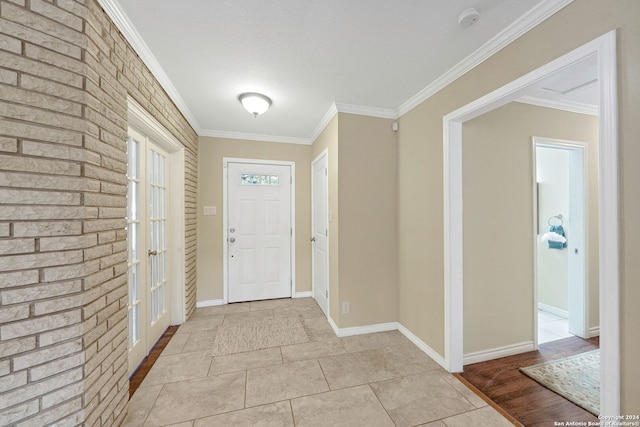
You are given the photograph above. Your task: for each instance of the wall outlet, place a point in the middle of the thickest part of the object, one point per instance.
(209, 210)
(345, 307)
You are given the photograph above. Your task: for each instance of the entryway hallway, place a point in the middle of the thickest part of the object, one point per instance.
(379, 379)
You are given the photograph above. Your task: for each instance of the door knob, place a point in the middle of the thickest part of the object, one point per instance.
(152, 252)
(232, 239)
(313, 239)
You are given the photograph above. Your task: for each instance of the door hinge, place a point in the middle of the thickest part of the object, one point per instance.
(291, 231)
(326, 233)
(326, 172)
(291, 180)
(326, 293)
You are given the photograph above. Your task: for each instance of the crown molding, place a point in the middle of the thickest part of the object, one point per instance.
(526, 22)
(254, 137)
(571, 106)
(115, 12)
(326, 119)
(382, 113)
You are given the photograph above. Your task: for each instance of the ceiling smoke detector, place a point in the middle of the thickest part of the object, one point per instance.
(468, 17)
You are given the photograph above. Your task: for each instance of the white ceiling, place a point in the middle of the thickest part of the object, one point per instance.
(308, 55)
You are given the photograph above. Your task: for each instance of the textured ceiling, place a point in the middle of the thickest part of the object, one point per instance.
(307, 55)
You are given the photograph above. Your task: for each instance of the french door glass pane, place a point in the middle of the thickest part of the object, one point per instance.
(133, 194)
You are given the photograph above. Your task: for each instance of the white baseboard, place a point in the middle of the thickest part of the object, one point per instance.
(209, 303)
(553, 310)
(495, 353)
(306, 294)
(422, 345)
(594, 332)
(360, 330)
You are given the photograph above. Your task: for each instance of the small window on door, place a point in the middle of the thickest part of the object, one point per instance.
(257, 179)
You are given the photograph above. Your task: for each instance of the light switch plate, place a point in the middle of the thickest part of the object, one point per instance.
(209, 210)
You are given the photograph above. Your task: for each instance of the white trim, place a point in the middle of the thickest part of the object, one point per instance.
(570, 106)
(526, 22)
(114, 10)
(385, 327)
(605, 48)
(421, 345)
(225, 228)
(305, 294)
(382, 113)
(209, 303)
(140, 119)
(324, 122)
(361, 330)
(553, 310)
(594, 332)
(254, 137)
(495, 353)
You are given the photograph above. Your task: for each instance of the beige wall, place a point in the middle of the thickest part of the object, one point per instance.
(328, 139)
(210, 232)
(420, 169)
(498, 173)
(362, 201)
(552, 172)
(368, 220)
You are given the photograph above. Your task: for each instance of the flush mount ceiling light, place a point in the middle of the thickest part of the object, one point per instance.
(255, 103)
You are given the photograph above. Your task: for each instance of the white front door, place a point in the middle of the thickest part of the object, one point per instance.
(259, 231)
(320, 231)
(149, 303)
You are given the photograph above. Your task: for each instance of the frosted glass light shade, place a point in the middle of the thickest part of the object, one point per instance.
(255, 103)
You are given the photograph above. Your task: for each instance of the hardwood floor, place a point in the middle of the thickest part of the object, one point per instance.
(523, 398)
(145, 366)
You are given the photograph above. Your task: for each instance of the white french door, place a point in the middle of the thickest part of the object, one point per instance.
(259, 231)
(320, 231)
(149, 302)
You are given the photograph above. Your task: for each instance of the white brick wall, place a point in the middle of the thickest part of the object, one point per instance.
(65, 75)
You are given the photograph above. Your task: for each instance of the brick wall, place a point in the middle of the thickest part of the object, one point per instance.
(65, 75)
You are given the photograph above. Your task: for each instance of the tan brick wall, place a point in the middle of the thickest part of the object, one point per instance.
(65, 75)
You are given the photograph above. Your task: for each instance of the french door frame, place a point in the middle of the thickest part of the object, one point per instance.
(140, 120)
(225, 216)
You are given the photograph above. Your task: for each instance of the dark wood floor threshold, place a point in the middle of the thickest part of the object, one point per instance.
(525, 401)
(145, 366)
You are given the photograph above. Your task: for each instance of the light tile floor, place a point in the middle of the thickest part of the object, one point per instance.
(552, 327)
(379, 379)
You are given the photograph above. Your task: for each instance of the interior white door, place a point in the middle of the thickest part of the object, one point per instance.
(320, 231)
(259, 231)
(148, 299)
(578, 287)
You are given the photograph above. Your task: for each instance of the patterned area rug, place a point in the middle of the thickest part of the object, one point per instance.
(256, 335)
(576, 378)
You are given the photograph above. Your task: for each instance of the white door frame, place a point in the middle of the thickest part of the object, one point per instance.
(324, 153)
(578, 294)
(144, 122)
(225, 216)
(604, 48)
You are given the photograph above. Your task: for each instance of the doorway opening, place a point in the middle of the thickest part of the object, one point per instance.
(604, 49)
(561, 241)
(155, 232)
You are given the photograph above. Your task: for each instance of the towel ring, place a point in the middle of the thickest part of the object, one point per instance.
(559, 217)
